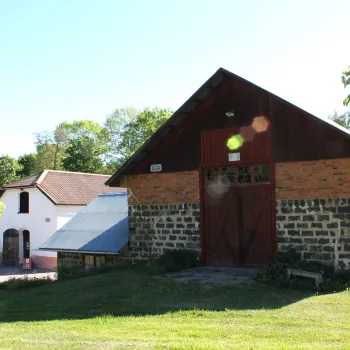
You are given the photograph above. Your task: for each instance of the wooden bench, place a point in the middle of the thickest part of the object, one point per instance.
(316, 276)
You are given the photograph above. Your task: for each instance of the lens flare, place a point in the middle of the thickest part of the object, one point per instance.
(260, 124)
(248, 133)
(235, 142)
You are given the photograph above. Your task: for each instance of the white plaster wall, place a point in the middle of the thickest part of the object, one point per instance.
(42, 221)
(65, 213)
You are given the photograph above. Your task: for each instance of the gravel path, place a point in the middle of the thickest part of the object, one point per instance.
(7, 273)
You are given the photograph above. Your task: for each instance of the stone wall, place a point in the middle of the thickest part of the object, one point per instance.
(317, 228)
(155, 228)
(78, 259)
(74, 259)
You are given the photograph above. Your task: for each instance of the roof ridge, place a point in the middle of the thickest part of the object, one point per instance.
(75, 172)
(41, 177)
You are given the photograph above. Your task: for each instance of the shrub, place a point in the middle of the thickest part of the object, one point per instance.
(339, 281)
(25, 282)
(176, 260)
(65, 271)
(275, 272)
(107, 268)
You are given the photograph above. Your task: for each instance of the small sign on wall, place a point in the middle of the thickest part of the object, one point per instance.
(234, 157)
(156, 168)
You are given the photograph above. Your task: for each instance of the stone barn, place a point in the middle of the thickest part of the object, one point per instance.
(237, 173)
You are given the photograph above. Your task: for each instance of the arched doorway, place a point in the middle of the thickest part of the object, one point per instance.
(10, 250)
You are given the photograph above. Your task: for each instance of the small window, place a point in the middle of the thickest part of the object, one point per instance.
(24, 202)
(244, 175)
(100, 260)
(262, 173)
(89, 261)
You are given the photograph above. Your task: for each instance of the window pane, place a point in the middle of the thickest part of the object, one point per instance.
(24, 202)
(262, 173)
(100, 260)
(244, 175)
(89, 260)
(227, 176)
(211, 176)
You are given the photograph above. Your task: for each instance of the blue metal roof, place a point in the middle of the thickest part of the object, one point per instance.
(100, 227)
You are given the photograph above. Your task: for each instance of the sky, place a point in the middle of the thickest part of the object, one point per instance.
(70, 60)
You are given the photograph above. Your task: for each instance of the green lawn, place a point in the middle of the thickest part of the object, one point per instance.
(129, 308)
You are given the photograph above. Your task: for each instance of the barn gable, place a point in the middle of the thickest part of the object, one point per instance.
(296, 135)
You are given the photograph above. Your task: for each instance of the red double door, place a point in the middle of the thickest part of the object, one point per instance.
(237, 216)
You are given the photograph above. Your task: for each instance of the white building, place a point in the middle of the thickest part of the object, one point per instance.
(37, 206)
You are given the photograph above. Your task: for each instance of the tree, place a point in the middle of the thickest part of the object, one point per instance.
(128, 129)
(50, 148)
(346, 81)
(8, 170)
(87, 146)
(115, 126)
(83, 156)
(2, 207)
(28, 163)
(341, 119)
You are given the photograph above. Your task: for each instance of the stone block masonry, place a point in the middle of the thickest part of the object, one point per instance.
(155, 228)
(319, 229)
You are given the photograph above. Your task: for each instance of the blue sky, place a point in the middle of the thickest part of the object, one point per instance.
(81, 59)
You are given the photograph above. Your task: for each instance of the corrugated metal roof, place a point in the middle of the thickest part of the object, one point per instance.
(102, 226)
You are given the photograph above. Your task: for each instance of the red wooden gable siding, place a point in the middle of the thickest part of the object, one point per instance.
(215, 151)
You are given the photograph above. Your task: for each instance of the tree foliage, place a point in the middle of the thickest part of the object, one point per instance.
(341, 119)
(83, 156)
(50, 148)
(128, 129)
(346, 82)
(28, 163)
(2, 207)
(8, 170)
(116, 127)
(87, 146)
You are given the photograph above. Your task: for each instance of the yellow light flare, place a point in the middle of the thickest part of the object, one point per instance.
(235, 142)
(260, 124)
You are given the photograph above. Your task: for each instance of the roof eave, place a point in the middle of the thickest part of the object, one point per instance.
(210, 84)
(78, 251)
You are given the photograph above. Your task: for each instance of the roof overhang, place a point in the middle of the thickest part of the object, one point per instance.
(78, 251)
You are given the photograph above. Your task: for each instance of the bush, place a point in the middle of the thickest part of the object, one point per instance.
(65, 271)
(176, 260)
(98, 270)
(339, 281)
(275, 272)
(25, 282)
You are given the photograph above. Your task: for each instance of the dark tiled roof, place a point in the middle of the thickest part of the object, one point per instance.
(67, 188)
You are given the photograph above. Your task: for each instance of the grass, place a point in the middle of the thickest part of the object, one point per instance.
(128, 308)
